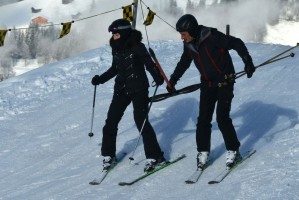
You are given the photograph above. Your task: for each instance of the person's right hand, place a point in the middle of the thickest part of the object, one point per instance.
(170, 89)
(96, 80)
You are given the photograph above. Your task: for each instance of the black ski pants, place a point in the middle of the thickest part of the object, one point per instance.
(120, 102)
(209, 96)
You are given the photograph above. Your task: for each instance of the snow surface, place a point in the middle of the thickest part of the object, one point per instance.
(45, 151)
(23, 66)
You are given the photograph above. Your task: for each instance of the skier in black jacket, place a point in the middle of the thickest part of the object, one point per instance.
(131, 85)
(209, 50)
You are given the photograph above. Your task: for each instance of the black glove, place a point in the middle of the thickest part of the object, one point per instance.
(159, 80)
(249, 66)
(96, 80)
(172, 89)
(249, 69)
(172, 83)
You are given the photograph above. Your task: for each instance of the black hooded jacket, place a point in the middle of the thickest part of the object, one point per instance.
(210, 53)
(129, 58)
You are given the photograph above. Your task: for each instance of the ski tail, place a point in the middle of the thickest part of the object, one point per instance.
(194, 177)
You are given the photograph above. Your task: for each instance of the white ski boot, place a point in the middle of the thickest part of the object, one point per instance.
(202, 159)
(232, 158)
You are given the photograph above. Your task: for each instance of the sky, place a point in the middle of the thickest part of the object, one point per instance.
(45, 115)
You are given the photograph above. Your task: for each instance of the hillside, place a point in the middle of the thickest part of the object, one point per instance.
(45, 152)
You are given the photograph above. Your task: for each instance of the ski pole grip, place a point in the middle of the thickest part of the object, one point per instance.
(159, 67)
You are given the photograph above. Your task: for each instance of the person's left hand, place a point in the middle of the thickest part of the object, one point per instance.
(159, 80)
(249, 69)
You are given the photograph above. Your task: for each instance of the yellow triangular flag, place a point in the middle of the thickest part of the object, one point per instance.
(150, 18)
(2, 37)
(65, 29)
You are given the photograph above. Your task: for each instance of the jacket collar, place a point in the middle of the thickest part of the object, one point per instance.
(202, 35)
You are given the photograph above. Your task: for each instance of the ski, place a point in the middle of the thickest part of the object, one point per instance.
(99, 180)
(195, 176)
(226, 172)
(166, 164)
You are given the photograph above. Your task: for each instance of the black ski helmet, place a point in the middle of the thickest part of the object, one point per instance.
(187, 23)
(121, 26)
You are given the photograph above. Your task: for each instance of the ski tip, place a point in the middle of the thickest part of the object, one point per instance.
(94, 183)
(181, 156)
(213, 182)
(189, 182)
(123, 183)
(251, 151)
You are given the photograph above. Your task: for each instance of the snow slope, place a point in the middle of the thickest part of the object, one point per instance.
(45, 152)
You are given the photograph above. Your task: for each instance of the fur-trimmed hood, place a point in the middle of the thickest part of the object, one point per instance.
(133, 38)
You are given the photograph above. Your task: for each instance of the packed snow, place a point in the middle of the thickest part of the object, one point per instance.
(45, 151)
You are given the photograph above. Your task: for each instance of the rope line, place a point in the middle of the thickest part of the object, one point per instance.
(160, 17)
(56, 24)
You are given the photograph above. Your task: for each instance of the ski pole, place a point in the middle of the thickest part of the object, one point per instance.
(272, 59)
(90, 134)
(159, 67)
(263, 64)
(146, 117)
(281, 54)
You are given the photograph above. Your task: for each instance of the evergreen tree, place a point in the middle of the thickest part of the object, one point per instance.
(229, 1)
(190, 7)
(202, 3)
(6, 70)
(32, 36)
(92, 6)
(173, 9)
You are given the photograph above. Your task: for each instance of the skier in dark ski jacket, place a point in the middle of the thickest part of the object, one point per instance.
(209, 50)
(131, 85)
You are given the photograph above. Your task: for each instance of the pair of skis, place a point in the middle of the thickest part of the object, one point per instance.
(220, 177)
(103, 175)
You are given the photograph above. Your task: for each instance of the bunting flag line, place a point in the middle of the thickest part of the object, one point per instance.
(128, 12)
(149, 18)
(2, 37)
(65, 29)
